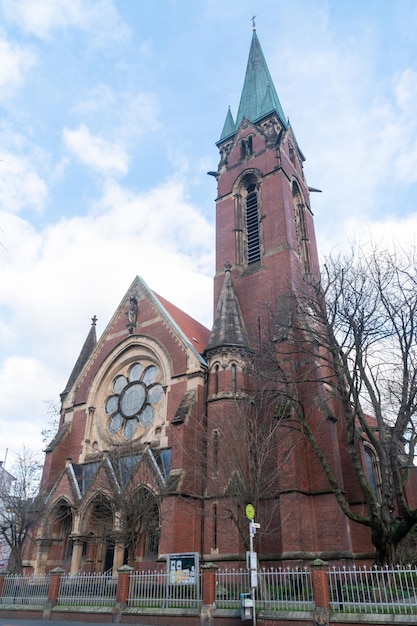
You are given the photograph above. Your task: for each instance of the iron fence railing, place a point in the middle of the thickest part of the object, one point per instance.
(19, 589)
(373, 590)
(278, 589)
(87, 590)
(285, 589)
(230, 584)
(155, 589)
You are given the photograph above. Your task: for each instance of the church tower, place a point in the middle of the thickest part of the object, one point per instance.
(264, 222)
(266, 255)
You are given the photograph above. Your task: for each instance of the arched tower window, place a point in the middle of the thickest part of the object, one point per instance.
(301, 228)
(252, 226)
(216, 378)
(249, 243)
(234, 373)
(246, 149)
(372, 470)
(216, 437)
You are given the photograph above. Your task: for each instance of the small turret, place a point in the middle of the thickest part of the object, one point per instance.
(86, 350)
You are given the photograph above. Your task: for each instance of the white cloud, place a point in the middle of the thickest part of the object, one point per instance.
(68, 271)
(15, 62)
(391, 233)
(21, 186)
(406, 91)
(23, 384)
(131, 114)
(43, 17)
(96, 152)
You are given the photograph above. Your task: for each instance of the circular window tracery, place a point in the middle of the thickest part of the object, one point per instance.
(133, 399)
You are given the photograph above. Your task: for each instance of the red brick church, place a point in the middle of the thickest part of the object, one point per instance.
(163, 424)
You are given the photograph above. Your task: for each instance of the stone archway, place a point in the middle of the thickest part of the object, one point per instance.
(55, 545)
(98, 535)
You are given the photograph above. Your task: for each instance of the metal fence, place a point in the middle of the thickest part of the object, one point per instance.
(87, 590)
(387, 590)
(278, 589)
(373, 590)
(25, 590)
(230, 584)
(155, 589)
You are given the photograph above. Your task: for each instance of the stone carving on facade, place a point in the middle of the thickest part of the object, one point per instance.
(132, 313)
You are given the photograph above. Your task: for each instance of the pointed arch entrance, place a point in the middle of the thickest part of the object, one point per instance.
(98, 534)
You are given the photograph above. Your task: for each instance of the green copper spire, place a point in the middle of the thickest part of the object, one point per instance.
(229, 126)
(259, 97)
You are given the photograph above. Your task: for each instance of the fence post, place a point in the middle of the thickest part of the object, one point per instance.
(122, 591)
(321, 592)
(3, 575)
(53, 591)
(123, 584)
(54, 584)
(209, 593)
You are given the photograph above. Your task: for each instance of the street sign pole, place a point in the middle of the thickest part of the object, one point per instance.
(252, 565)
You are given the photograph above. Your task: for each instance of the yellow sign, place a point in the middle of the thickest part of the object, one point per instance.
(250, 511)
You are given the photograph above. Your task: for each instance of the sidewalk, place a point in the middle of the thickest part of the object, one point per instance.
(39, 622)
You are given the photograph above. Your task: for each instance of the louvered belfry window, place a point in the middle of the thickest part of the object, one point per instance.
(252, 226)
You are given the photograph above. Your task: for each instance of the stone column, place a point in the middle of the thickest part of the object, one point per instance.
(119, 550)
(321, 592)
(77, 554)
(42, 555)
(209, 593)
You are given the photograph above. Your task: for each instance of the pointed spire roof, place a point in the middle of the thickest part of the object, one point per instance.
(228, 326)
(88, 347)
(229, 127)
(259, 97)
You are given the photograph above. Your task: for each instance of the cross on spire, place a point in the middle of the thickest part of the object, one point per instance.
(253, 21)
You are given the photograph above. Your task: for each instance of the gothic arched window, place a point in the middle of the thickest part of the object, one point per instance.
(216, 378)
(234, 374)
(248, 222)
(372, 470)
(246, 148)
(216, 441)
(301, 228)
(253, 242)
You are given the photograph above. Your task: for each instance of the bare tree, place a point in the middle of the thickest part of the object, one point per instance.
(248, 463)
(134, 485)
(20, 505)
(352, 343)
(50, 430)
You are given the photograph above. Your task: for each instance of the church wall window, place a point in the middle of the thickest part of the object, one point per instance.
(248, 221)
(246, 147)
(301, 228)
(252, 226)
(372, 470)
(216, 378)
(216, 437)
(291, 153)
(215, 525)
(132, 406)
(234, 377)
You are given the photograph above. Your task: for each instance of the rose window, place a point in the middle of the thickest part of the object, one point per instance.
(133, 400)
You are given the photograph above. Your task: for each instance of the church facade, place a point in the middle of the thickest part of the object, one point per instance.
(166, 433)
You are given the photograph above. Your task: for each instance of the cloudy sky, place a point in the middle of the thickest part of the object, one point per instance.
(110, 110)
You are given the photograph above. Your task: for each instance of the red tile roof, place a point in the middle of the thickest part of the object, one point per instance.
(196, 333)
